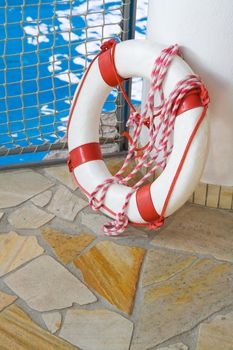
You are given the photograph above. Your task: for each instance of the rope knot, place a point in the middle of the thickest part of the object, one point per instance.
(115, 228)
(134, 118)
(204, 95)
(108, 45)
(156, 224)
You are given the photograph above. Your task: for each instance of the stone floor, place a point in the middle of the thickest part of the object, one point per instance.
(64, 285)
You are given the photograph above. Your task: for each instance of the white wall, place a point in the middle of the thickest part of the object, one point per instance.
(204, 30)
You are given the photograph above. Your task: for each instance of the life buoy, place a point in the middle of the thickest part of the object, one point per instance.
(136, 58)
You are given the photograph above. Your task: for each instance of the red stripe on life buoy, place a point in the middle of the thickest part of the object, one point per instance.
(145, 204)
(190, 101)
(108, 70)
(84, 154)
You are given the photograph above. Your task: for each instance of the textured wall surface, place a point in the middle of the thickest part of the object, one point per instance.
(204, 30)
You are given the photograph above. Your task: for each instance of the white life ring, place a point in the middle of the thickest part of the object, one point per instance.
(135, 58)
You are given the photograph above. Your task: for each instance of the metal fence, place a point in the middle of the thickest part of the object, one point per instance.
(45, 46)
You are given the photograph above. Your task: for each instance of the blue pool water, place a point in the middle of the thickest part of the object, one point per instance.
(35, 60)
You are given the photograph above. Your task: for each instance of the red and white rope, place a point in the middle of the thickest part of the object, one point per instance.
(159, 136)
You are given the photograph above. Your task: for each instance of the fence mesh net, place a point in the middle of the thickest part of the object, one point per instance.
(45, 46)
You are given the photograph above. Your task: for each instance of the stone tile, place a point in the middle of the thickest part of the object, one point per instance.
(65, 204)
(1, 215)
(97, 329)
(19, 332)
(29, 216)
(66, 247)
(216, 334)
(42, 199)
(178, 346)
(52, 321)
(161, 265)
(212, 196)
(199, 230)
(17, 187)
(180, 303)
(6, 299)
(112, 270)
(46, 285)
(62, 174)
(17, 250)
(200, 194)
(226, 196)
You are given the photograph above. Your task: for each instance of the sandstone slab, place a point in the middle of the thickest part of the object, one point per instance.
(97, 329)
(6, 299)
(112, 270)
(18, 186)
(199, 230)
(66, 247)
(42, 199)
(65, 204)
(19, 332)
(216, 334)
(62, 174)
(52, 321)
(45, 285)
(163, 264)
(180, 303)
(17, 250)
(29, 216)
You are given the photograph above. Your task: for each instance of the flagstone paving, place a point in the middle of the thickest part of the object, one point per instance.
(6, 299)
(216, 334)
(16, 250)
(112, 270)
(62, 174)
(46, 285)
(66, 247)
(97, 329)
(52, 321)
(42, 199)
(19, 332)
(93, 222)
(199, 231)
(163, 264)
(65, 204)
(29, 216)
(183, 301)
(65, 285)
(18, 186)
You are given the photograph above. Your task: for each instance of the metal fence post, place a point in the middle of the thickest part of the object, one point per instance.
(128, 32)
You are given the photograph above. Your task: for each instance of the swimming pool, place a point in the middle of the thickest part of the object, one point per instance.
(44, 48)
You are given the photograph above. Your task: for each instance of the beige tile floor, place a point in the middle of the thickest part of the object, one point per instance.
(64, 285)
